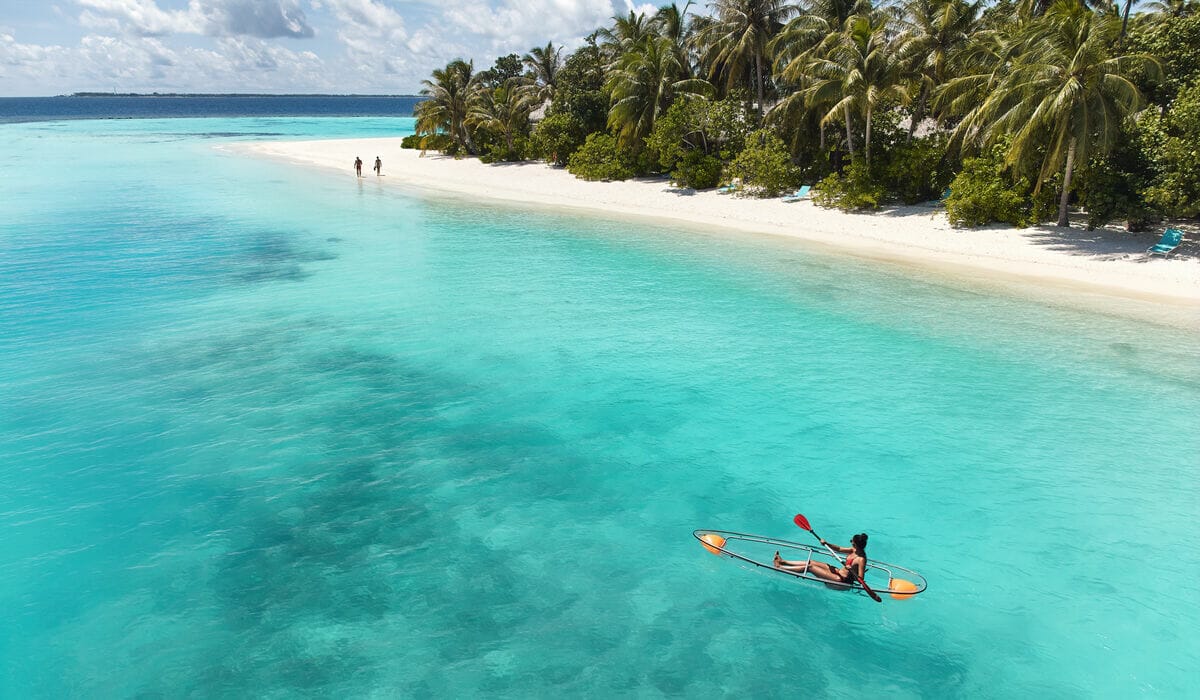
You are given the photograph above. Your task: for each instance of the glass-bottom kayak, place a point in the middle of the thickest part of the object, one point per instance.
(759, 551)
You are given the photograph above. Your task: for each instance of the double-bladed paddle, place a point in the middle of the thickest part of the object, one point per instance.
(802, 522)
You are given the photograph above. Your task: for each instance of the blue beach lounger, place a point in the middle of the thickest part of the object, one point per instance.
(731, 187)
(798, 194)
(1170, 240)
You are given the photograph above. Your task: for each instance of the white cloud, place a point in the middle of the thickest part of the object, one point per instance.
(647, 9)
(369, 15)
(258, 66)
(16, 58)
(139, 17)
(107, 59)
(258, 18)
(232, 46)
(132, 63)
(517, 25)
(367, 26)
(377, 40)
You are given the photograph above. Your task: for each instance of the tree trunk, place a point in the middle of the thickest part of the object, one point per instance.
(821, 129)
(867, 141)
(918, 116)
(849, 133)
(465, 136)
(1124, 22)
(1066, 189)
(759, 80)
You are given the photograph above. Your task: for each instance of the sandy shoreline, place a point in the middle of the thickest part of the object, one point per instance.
(1088, 268)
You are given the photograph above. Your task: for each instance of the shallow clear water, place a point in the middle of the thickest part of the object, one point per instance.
(266, 431)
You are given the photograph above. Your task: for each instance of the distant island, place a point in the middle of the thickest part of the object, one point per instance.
(214, 94)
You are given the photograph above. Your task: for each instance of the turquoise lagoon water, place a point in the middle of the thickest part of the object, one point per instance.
(272, 432)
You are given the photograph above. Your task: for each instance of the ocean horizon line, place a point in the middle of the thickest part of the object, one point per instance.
(223, 94)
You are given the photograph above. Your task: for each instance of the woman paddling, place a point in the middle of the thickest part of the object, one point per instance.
(856, 562)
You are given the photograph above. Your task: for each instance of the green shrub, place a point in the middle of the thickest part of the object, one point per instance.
(1109, 191)
(557, 137)
(696, 124)
(432, 142)
(645, 162)
(668, 138)
(499, 152)
(917, 171)
(1043, 206)
(492, 153)
(984, 192)
(764, 166)
(697, 171)
(1172, 40)
(579, 92)
(1173, 147)
(601, 159)
(853, 189)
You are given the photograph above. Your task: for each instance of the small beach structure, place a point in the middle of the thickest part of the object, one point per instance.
(798, 194)
(1166, 245)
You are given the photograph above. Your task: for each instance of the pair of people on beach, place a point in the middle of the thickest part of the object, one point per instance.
(358, 166)
(854, 569)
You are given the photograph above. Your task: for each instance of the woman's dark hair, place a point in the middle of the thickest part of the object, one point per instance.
(860, 541)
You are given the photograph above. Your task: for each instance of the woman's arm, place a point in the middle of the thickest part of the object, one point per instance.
(839, 550)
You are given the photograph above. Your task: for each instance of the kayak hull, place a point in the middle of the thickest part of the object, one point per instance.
(757, 552)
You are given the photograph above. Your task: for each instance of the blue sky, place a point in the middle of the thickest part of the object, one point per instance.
(50, 47)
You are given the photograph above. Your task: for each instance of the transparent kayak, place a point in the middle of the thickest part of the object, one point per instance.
(758, 552)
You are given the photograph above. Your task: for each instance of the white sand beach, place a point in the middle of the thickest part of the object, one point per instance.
(1101, 268)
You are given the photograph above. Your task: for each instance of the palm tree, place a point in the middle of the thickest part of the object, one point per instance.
(643, 83)
(980, 67)
(1064, 98)
(626, 34)
(856, 72)
(449, 94)
(1125, 20)
(1175, 8)
(545, 63)
(738, 39)
(671, 23)
(794, 50)
(1030, 9)
(504, 110)
(933, 43)
(836, 12)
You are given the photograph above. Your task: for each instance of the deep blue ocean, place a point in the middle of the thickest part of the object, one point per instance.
(268, 431)
(31, 109)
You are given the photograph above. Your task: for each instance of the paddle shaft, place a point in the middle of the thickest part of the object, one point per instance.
(873, 594)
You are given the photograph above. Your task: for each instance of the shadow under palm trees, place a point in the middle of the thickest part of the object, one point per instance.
(1103, 243)
(1106, 243)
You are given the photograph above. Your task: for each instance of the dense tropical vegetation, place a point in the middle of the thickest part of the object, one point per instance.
(1010, 110)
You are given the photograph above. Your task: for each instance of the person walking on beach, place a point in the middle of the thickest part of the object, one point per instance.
(378, 166)
(358, 166)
